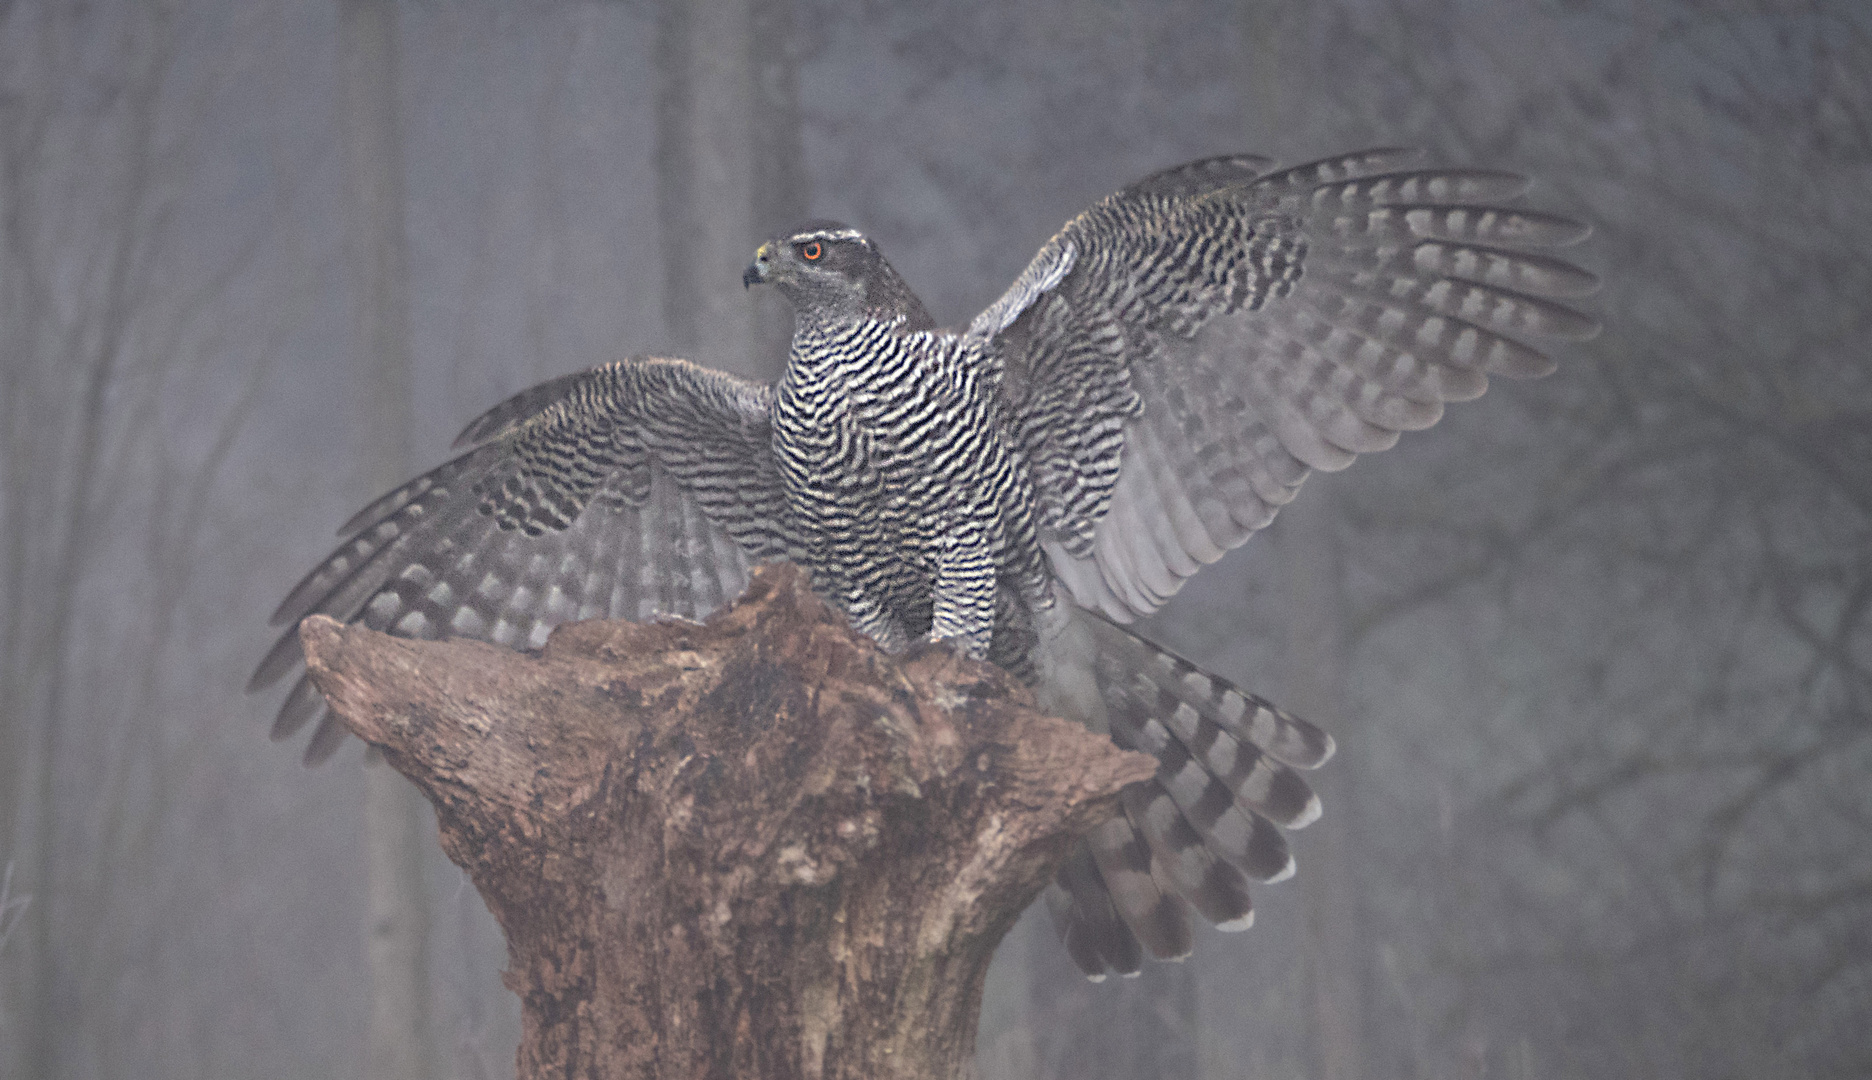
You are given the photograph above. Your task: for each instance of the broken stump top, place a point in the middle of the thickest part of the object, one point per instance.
(755, 846)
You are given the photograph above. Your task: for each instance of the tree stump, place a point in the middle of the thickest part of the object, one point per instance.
(754, 847)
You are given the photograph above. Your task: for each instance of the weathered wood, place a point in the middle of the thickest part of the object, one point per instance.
(755, 847)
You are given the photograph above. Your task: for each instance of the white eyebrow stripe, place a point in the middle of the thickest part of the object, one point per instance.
(827, 234)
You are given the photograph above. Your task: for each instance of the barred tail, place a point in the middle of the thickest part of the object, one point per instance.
(1211, 819)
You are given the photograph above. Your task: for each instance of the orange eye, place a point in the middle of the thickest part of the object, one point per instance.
(810, 251)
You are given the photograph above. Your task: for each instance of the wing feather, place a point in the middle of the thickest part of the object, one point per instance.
(633, 490)
(1182, 354)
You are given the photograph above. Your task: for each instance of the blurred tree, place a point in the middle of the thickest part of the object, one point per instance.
(105, 305)
(1685, 567)
(729, 172)
(1605, 697)
(67, 350)
(399, 830)
(1337, 947)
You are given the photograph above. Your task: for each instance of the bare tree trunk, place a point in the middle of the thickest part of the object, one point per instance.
(729, 172)
(21, 802)
(1335, 952)
(400, 1044)
(755, 847)
(58, 434)
(376, 245)
(782, 191)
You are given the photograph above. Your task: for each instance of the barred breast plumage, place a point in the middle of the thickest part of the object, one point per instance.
(913, 507)
(1147, 394)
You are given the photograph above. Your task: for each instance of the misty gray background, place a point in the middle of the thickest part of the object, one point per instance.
(1597, 649)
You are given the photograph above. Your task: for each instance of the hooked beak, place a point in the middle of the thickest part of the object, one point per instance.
(757, 270)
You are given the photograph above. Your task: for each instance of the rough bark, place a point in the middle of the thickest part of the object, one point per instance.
(753, 847)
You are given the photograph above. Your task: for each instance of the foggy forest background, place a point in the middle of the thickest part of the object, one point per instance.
(1597, 649)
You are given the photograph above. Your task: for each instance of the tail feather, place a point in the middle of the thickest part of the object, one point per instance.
(1095, 936)
(1234, 831)
(1184, 864)
(1159, 919)
(1257, 780)
(1248, 718)
(1211, 819)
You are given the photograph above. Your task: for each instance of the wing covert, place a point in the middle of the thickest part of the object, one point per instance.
(1180, 356)
(636, 489)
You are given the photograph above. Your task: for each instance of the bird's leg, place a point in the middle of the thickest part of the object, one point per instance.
(965, 597)
(869, 617)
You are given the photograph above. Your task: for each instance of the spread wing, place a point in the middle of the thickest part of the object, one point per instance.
(635, 489)
(1178, 357)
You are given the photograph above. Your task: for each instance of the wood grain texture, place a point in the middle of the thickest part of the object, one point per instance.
(753, 847)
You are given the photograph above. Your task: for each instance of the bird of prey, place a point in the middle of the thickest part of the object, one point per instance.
(1149, 391)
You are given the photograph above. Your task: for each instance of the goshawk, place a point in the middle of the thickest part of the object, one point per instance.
(1145, 396)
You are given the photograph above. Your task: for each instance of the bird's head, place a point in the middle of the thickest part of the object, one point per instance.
(833, 272)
